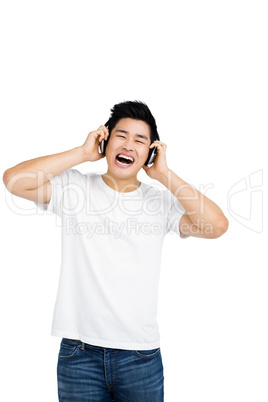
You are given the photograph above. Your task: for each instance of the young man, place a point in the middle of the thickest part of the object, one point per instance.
(113, 228)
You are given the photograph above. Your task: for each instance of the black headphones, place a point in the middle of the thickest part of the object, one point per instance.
(151, 156)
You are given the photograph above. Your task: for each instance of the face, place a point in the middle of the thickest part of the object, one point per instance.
(132, 138)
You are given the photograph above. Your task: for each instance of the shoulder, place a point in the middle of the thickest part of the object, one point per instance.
(157, 194)
(75, 176)
(151, 189)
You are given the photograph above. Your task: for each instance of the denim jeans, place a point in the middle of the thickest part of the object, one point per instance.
(88, 373)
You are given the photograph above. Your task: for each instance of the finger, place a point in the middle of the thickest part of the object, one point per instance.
(161, 143)
(107, 131)
(100, 135)
(155, 143)
(158, 146)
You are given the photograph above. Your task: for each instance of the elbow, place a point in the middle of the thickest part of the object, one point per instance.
(11, 179)
(221, 226)
(6, 178)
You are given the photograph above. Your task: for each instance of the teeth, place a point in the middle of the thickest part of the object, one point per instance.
(127, 157)
(121, 163)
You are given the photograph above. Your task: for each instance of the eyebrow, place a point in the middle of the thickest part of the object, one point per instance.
(137, 135)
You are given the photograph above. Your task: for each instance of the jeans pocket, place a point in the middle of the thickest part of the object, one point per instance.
(147, 354)
(68, 351)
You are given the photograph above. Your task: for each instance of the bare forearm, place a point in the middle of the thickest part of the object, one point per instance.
(200, 209)
(36, 172)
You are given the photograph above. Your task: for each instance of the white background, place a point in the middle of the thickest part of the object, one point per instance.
(201, 66)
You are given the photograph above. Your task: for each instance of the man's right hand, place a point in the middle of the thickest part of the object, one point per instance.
(31, 179)
(91, 145)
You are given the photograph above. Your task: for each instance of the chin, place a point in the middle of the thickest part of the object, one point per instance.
(123, 173)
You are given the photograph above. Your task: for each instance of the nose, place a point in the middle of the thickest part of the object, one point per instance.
(128, 148)
(128, 145)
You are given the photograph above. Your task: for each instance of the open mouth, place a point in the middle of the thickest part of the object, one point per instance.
(124, 160)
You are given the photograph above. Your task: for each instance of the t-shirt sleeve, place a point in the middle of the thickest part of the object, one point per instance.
(174, 211)
(60, 185)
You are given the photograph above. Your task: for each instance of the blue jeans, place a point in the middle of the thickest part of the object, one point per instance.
(88, 373)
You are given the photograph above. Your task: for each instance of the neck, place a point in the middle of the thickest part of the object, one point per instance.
(123, 185)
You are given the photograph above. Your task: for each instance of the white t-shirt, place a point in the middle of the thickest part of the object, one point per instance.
(111, 258)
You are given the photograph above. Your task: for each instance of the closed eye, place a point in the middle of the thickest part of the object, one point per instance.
(125, 137)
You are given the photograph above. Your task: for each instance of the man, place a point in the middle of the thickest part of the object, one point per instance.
(113, 228)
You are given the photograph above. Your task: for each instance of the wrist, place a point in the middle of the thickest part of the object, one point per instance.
(165, 174)
(165, 178)
(84, 154)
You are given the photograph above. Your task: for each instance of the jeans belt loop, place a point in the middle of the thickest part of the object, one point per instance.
(82, 346)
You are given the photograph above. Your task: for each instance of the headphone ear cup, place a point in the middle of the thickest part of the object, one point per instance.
(105, 142)
(149, 156)
(152, 150)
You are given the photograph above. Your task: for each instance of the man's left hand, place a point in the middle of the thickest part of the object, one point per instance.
(160, 164)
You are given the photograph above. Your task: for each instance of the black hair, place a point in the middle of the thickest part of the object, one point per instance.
(136, 110)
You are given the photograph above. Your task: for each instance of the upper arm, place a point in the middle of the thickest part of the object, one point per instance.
(15, 185)
(41, 194)
(190, 229)
(187, 227)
